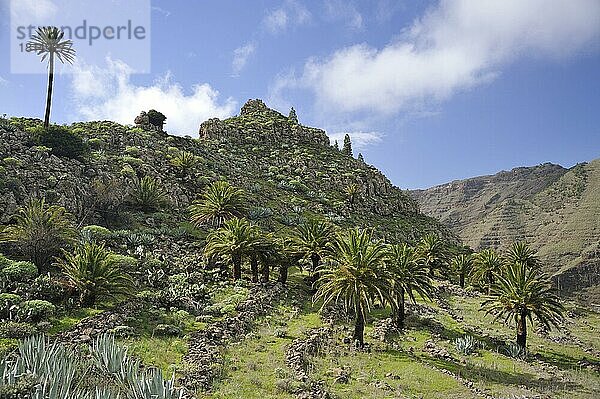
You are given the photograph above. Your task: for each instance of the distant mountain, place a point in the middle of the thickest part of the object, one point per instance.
(556, 209)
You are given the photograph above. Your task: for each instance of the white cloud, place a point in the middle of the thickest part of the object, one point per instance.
(241, 56)
(359, 140)
(290, 13)
(162, 11)
(32, 11)
(338, 10)
(456, 45)
(108, 93)
(3, 82)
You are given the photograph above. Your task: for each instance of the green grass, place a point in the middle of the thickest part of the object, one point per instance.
(70, 318)
(162, 352)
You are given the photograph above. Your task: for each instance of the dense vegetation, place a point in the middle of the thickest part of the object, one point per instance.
(307, 256)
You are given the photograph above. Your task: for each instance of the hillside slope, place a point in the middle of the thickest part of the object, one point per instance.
(556, 209)
(289, 171)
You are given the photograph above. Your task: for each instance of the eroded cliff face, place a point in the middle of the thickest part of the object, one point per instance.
(557, 210)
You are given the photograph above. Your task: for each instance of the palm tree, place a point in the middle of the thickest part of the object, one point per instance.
(356, 276)
(352, 191)
(220, 202)
(40, 231)
(520, 292)
(409, 275)
(235, 240)
(288, 256)
(433, 251)
(521, 252)
(95, 273)
(312, 240)
(48, 42)
(487, 265)
(463, 264)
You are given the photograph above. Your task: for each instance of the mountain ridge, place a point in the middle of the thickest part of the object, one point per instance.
(553, 207)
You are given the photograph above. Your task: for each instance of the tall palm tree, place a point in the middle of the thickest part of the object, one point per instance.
(520, 293)
(521, 252)
(235, 240)
(48, 42)
(487, 265)
(434, 252)
(40, 231)
(463, 264)
(95, 273)
(220, 202)
(409, 275)
(356, 276)
(312, 240)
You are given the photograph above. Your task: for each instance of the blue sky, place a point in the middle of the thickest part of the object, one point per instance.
(430, 91)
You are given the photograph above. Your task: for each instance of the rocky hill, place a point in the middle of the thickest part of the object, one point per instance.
(554, 208)
(290, 172)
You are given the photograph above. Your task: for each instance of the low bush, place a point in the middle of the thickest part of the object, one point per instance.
(15, 330)
(167, 330)
(48, 288)
(18, 272)
(63, 141)
(96, 232)
(36, 310)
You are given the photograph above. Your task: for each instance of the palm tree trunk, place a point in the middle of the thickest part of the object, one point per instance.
(266, 270)
(315, 259)
(254, 268)
(359, 328)
(283, 274)
(400, 310)
(50, 85)
(237, 266)
(462, 279)
(522, 330)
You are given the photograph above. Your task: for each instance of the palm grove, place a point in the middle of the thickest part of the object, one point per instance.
(352, 268)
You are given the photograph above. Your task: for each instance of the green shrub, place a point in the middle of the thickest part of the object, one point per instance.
(95, 143)
(127, 171)
(132, 151)
(11, 161)
(11, 329)
(4, 261)
(47, 288)
(18, 272)
(61, 139)
(36, 310)
(96, 232)
(7, 301)
(133, 161)
(167, 330)
(7, 345)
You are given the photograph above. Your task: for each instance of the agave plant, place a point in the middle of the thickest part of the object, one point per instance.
(152, 385)
(467, 344)
(515, 351)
